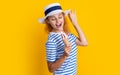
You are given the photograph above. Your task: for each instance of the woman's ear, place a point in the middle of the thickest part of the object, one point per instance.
(47, 21)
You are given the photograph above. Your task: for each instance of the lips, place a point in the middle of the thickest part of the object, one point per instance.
(58, 25)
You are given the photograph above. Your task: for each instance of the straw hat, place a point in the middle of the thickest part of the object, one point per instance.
(52, 9)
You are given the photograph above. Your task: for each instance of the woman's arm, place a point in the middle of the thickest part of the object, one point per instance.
(81, 40)
(52, 66)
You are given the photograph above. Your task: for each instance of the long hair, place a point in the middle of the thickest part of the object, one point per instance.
(65, 26)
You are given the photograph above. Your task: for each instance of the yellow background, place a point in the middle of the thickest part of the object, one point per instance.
(22, 38)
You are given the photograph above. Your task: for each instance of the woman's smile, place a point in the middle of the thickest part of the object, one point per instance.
(59, 25)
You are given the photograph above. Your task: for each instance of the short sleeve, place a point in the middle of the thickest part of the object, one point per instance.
(51, 51)
(74, 37)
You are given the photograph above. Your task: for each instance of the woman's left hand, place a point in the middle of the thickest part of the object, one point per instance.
(73, 18)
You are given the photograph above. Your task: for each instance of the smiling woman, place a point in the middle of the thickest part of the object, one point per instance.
(56, 21)
(63, 24)
(61, 46)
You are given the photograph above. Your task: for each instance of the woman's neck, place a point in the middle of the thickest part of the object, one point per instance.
(56, 31)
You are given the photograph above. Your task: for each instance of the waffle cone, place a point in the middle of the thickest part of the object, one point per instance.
(66, 42)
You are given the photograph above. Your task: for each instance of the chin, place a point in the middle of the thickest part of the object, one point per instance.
(59, 29)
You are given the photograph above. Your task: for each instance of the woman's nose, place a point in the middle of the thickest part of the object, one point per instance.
(57, 20)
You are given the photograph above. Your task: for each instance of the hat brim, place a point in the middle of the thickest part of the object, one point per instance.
(42, 20)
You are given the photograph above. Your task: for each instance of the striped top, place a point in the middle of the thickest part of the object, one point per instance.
(54, 50)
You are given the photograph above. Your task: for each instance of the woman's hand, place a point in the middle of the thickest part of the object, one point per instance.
(67, 49)
(73, 18)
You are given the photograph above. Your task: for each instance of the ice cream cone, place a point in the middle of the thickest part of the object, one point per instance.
(65, 39)
(66, 42)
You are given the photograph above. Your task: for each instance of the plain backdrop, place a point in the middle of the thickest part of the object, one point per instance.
(23, 39)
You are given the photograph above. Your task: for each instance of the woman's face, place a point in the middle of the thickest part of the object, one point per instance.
(56, 21)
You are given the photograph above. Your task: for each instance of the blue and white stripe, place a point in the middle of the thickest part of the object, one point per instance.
(55, 48)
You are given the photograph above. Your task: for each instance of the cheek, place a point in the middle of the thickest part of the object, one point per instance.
(62, 20)
(52, 23)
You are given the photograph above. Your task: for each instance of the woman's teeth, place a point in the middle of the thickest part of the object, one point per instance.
(58, 25)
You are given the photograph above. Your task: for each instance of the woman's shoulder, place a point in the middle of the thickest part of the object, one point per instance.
(71, 34)
(52, 36)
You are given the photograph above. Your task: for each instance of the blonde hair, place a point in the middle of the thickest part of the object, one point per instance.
(65, 26)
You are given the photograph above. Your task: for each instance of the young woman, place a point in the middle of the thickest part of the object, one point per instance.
(61, 56)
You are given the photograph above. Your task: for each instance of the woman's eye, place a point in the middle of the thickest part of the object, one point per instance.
(53, 19)
(60, 17)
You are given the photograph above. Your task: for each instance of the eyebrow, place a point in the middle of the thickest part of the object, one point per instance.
(50, 16)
